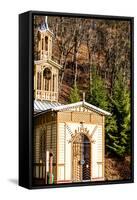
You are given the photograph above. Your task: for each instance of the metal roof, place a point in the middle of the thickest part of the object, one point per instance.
(40, 106)
(44, 106)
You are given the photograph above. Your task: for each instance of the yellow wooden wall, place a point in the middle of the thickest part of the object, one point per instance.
(60, 128)
(69, 122)
(48, 124)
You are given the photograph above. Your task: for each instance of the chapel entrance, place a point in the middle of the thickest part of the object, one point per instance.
(81, 159)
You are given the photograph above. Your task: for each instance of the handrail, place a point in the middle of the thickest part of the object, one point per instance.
(46, 95)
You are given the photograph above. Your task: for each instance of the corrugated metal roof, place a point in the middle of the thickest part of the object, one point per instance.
(44, 106)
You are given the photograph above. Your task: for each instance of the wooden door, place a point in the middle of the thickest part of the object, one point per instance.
(81, 159)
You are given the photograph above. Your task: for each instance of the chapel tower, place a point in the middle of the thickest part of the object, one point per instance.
(46, 71)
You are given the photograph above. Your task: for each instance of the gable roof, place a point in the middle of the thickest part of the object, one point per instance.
(49, 61)
(52, 62)
(59, 107)
(82, 103)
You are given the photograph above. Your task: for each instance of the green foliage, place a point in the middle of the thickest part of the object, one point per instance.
(74, 95)
(118, 136)
(117, 126)
(98, 93)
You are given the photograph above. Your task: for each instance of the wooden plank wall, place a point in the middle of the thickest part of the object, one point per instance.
(47, 123)
(65, 163)
(64, 158)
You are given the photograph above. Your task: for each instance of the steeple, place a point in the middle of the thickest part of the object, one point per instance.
(44, 40)
(46, 22)
(46, 71)
(43, 26)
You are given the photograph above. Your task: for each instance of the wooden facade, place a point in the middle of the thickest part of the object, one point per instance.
(45, 132)
(76, 139)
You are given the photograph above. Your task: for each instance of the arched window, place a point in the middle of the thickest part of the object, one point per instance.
(39, 35)
(38, 80)
(46, 84)
(47, 79)
(46, 43)
(42, 44)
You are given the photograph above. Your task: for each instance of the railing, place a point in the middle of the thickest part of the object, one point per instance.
(46, 95)
(39, 170)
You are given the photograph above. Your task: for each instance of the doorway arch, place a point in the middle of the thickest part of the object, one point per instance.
(81, 158)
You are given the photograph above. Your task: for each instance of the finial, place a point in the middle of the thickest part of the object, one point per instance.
(83, 97)
(46, 22)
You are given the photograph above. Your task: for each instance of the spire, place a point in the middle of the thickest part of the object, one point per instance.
(46, 22)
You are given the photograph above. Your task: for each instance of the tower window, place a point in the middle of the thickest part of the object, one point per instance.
(39, 36)
(47, 73)
(47, 78)
(47, 85)
(39, 81)
(46, 43)
(42, 44)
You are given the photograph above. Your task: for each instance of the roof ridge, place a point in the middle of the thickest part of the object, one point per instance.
(84, 103)
(56, 106)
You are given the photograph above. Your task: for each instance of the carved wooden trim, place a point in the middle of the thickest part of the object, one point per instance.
(84, 131)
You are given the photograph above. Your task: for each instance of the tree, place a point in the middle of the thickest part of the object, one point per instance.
(79, 25)
(98, 93)
(118, 138)
(64, 41)
(74, 95)
(91, 41)
(118, 125)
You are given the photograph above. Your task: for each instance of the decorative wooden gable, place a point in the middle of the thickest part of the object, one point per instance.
(81, 106)
(80, 111)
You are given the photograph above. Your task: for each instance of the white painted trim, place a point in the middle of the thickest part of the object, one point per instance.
(73, 105)
(81, 103)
